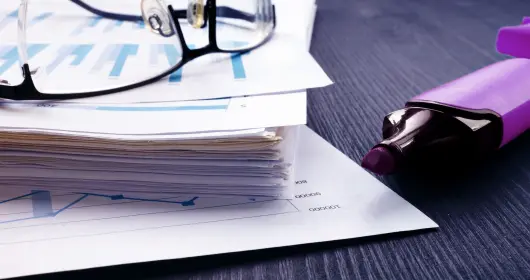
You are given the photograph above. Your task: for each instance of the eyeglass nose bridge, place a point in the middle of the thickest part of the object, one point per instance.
(156, 24)
(157, 18)
(196, 13)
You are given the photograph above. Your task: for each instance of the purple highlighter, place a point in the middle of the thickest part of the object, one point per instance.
(464, 119)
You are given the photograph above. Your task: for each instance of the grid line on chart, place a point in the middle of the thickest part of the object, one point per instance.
(290, 201)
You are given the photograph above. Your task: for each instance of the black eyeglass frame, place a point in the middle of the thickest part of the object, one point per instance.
(27, 90)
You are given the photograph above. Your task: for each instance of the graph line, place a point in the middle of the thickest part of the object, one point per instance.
(190, 202)
(70, 204)
(19, 197)
(154, 213)
(42, 208)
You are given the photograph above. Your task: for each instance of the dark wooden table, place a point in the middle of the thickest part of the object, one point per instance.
(380, 53)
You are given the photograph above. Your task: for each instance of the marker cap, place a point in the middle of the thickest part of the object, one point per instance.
(426, 138)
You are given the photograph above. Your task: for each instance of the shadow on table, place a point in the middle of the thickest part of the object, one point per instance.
(470, 187)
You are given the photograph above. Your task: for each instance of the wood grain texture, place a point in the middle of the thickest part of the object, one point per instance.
(380, 53)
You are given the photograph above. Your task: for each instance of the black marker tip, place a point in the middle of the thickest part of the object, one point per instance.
(379, 160)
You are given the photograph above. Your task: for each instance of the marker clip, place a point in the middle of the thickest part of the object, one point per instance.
(515, 40)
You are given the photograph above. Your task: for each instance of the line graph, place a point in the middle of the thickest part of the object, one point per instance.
(42, 203)
(42, 215)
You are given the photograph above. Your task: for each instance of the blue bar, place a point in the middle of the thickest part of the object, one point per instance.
(90, 23)
(173, 57)
(110, 53)
(40, 18)
(237, 62)
(156, 50)
(64, 52)
(237, 67)
(111, 25)
(78, 51)
(42, 204)
(126, 51)
(13, 14)
(118, 54)
(139, 25)
(10, 57)
(11, 17)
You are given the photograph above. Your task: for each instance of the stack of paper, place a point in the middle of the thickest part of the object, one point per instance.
(237, 138)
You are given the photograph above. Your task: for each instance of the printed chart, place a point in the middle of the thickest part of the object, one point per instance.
(160, 56)
(39, 215)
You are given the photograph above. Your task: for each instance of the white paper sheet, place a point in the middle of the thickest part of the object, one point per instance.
(237, 113)
(335, 199)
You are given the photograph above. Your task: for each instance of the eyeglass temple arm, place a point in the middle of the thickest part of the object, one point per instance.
(225, 12)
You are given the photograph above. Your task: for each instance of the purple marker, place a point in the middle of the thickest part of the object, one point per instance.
(462, 120)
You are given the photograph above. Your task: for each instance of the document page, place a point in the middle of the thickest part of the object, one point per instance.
(236, 113)
(44, 231)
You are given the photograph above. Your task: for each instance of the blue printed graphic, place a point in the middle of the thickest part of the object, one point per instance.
(6, 48)
(10, 55)
(110, 26)
(161, 109)
(219, 106)
(125, 52)
(40, 18)
(93, 22)
(11, 17)
(78, 51)
(139, 25)
(237, 61)
(173, 56)
(42, 203)
(117, 54)
(109, 53)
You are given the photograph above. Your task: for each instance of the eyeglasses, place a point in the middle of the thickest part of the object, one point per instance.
(231, 26)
